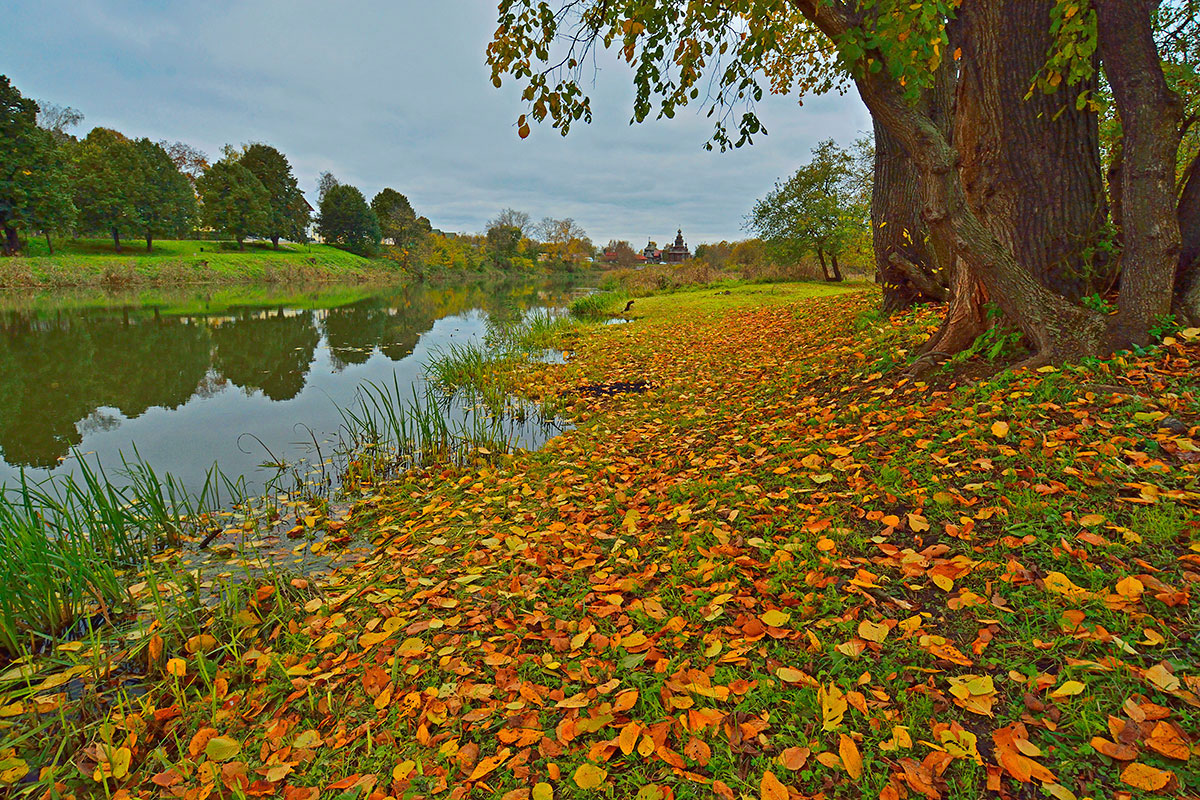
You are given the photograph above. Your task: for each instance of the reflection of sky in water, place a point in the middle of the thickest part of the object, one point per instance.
(242, 377)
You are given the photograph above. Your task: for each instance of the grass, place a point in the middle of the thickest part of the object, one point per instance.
(70, 546)
(777, 559)
(599, 305)
(94, 262)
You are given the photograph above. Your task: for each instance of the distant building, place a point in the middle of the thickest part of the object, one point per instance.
(651, 255)
(678, 252)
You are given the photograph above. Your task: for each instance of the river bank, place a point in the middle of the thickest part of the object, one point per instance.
(92, 263)
(762, 564)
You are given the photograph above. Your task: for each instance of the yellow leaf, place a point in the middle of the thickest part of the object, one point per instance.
(1131, 588)
(790, 675)
(943, 582)
(1163, 679)
(872, 632)
(1058, 791)
(308, 740)
(900, 738)
(851, 758)
(222, 748)
(1068, 689)
(177, 667)
(589, 776)
(12, 770)
(999, 429)
(833, 707)
(403, 770)
(487, 765)
(543, 791)
(775, 618)
(1091, 520)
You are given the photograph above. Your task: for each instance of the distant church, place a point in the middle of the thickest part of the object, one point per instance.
(675, 254)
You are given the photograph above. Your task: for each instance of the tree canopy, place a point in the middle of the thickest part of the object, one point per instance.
(398, 222)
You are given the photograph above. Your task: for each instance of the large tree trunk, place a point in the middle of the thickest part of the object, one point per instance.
(1187, 273)
(116, 234)
(1031, 167)
(275, 242)
(1050, 166)
(1150, 116)
(149, 242)
(912, 266)
(49, 245)
(1059, 330)
(837, 272)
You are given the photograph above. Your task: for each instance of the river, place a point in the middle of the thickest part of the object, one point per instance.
(236, 377)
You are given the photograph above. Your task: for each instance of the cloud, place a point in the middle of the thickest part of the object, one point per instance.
(398, 94)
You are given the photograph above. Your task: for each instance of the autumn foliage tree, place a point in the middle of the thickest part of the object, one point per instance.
(1005, 176)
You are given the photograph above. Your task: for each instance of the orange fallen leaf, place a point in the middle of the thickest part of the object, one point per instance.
(1146, 777)
(771, 788)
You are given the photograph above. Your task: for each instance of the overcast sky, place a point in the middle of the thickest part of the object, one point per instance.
(396, 93)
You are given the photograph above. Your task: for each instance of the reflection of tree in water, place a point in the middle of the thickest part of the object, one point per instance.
(56, 372)
(270, 352)
(354, 331)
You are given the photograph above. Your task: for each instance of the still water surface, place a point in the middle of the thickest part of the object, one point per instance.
(197, 376)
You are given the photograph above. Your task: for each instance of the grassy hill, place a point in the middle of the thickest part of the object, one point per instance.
(94, 262)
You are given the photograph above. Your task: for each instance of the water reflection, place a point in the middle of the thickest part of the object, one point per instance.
(78, 372)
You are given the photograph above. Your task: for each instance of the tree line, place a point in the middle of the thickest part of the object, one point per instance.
(107, 183)
(1035, 160)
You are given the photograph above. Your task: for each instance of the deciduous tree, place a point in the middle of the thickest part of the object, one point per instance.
(233, 200)
(399, 222)
(819, 210)
(347, 221)
(34, 188)
(288, 216)
(162, 197)
(105, 162)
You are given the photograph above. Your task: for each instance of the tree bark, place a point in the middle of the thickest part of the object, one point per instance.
(49, 245)
(275, 242)
(240, 243)
(824, 269)
(1150, 114)
(912, 266)
(837, 273)
(1051, 173)
(1187, 273)
(116, 234)
(1031, 167)
(12, 242)
(149, 242)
